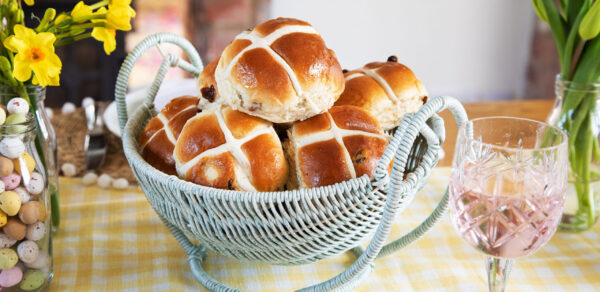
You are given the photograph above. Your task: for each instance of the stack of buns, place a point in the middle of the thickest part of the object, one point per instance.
(277, 112)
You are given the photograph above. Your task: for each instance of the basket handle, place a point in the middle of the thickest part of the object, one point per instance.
(399, 187)
(169, 60)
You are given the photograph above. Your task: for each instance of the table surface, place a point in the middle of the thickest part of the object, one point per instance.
(113, 240)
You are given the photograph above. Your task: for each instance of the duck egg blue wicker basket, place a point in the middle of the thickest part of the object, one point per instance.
(288, 227)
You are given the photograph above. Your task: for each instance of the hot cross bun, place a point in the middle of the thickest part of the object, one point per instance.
(343, 143)
(387, 90)
(227, 149)
(280, 71)
(158, 138)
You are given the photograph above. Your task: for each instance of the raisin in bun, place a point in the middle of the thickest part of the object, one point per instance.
(209, 95)
(344, 143)
(280, 71)
(158, 138)
(227, 149)
(387, 90)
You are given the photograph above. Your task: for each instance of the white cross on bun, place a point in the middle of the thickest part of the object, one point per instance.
(343, 143)
(227, 149)
(280, 71)
(158, 138)
(387, 90)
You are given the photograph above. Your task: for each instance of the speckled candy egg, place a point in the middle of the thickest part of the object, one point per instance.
(8, 259)
(11, 181)
(28, 251)
(6, 166)
(26, 160)
(3, 218)
(36, 184)
(10, 203)
(30, 212)
(32, 280)
(12, 147)
(36, 231)
(41, 262)
(11, 277)
(6, 241)
(15, 229)
(23, 194)
(2, 116)
(2, 187)
(17, 105)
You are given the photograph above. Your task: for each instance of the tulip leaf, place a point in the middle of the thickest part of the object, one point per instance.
(540, 10)
(590, 24)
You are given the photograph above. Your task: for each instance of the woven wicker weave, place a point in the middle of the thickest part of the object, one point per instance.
(289, 227)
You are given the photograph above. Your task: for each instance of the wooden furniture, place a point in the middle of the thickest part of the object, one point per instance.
(530, 109)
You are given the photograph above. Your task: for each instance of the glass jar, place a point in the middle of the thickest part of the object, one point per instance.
(578, 105)
(47, 144)
(25, 238)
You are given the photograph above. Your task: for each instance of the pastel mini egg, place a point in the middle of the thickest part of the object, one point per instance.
(11, 181)
(89, 179)
(15, 229)
(6, 241)
(32, 280)
(3, 218)
(36, 184)
(8, 259)
(15, 121)
(26, 160)
(2, 187)
(10, 203)
(2, 116)
(28, 251)
(49, 112)
(120, 184)
(11, 277)
(6, 166)
(30, 212)
(23, 194)
(12, 147)
(68, 107)
(42, 212)
(36, 231)
(41, 262)
(104, 181)
(17, 105)
(68, 169)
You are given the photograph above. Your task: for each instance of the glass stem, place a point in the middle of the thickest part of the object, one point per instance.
(498, 270)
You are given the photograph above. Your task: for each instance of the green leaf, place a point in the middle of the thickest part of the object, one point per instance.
(590, 24)
(540, 10)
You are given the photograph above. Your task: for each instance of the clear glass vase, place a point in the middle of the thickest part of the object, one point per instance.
(25, 220)
(583, 194)
(46, 141)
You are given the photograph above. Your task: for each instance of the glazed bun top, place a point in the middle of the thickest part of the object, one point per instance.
(344, 143)
(281, 71)
(388, 90)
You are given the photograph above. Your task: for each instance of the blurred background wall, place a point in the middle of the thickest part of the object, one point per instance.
(474, 50)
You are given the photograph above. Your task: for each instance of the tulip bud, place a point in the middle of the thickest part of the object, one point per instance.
(540, 10)
(590, 24)
(13, 7)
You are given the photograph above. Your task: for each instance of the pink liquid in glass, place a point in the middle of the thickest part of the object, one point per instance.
(507, 224)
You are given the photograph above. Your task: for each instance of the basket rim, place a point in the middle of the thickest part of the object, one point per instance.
(132, 153)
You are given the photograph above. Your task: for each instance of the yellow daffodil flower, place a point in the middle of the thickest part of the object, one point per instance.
(35, 52)
(60, 18)
(119, 14)
(29, 2)
(81, 10)
(105, 35)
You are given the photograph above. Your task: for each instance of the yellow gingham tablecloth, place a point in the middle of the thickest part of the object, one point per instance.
(113, 240)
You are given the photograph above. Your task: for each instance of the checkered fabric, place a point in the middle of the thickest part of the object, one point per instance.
(112, 240)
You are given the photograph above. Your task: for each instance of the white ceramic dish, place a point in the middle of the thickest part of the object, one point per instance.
(169, 90)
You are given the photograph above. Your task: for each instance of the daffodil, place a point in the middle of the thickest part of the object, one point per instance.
(35, 53)
(119, 14)
(29, 2)
(81, 10)
(105, 35)
(60, 18)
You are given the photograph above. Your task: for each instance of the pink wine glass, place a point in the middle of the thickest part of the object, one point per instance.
(507, 188)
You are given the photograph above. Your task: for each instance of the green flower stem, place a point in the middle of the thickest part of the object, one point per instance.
(69, 21)
(99, 4)
(79, 26)
(556, 25)
(64, 42)
(572, 39)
